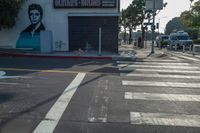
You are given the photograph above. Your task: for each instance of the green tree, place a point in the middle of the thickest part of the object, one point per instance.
(174, 25)
(191, 19)
(9, 10)
(187, 18)
(136, 15)
(124, 23)
(195, 12)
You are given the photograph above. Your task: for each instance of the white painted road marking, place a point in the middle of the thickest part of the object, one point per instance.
(161, 84)
(55, 113)
(164, 119)
(146, 75)
(154, 63)
(6, 83)
(98, 109)
(163, 66)
(2, 73)
(183, 71)
(164, 97)
(189, 58)
(148, 61)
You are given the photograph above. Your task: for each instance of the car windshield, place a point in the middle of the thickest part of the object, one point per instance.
(183, 37)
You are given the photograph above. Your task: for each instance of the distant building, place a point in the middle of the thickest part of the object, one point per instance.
(73, 24)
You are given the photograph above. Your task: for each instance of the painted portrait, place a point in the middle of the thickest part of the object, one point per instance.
(30, 37)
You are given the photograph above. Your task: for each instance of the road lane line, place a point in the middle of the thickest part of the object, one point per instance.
(6, 83)
(160, 84)
(147, 75)
(164, 119)
(55, 113)
(164, 97)
(98, 109)
(183, 71)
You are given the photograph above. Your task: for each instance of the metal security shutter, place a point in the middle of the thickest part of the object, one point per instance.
(84, 30)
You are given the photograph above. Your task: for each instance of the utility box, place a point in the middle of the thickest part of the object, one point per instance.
(46, 41)
(158, 5)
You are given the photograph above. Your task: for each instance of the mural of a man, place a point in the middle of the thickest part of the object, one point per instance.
(30, 37)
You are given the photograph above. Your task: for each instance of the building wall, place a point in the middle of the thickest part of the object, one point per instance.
(55, 20)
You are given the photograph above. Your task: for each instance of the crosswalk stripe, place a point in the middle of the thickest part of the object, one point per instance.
(183, 71)
(164, 119)
(176, 58)
(161, 66)
(147, 60)
(164, 97)
(161, 84)
(154, 63)
(147, 75)
(189, 58)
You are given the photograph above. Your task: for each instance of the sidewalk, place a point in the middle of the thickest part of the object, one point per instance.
(143, 53)
(126, 52)
(61, 55)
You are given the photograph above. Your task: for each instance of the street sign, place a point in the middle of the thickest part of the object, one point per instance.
(158, 4)
(148, 23)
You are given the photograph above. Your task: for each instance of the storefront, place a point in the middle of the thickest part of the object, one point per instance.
(65, 25)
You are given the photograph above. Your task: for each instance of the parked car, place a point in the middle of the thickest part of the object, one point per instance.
(162, 41)
(179, 39)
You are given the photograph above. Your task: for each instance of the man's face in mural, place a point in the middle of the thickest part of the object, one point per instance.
(35, 16)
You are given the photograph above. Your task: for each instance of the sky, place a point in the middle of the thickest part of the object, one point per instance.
(173, 9)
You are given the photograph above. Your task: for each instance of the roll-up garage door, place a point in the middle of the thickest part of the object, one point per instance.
(84, 33)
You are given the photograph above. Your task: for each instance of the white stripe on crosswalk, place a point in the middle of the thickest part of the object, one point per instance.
(146, 75)
(189, 58)
(183, 71)
(164, 119)
(160, 66)
(176, 58)
(154, 63)
(164, 97)
(148, 61)
(161, 84)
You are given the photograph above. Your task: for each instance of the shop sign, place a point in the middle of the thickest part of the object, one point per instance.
(84, 3)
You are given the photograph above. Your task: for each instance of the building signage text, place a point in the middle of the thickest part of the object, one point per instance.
(84, 3)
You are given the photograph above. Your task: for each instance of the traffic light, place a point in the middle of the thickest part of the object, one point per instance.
(157, 25)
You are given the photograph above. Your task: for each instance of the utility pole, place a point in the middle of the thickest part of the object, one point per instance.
(153, 26)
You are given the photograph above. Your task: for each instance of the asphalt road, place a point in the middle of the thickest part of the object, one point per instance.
(155, 95)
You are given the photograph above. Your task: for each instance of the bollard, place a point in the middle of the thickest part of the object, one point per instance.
(183, 48)
(176, 47)
(190, 48)
(193, 51)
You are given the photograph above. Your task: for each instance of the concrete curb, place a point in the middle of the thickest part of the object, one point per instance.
(53, 56)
